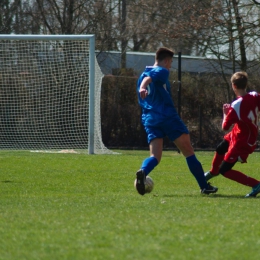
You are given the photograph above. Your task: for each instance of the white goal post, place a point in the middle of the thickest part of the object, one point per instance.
(50, 88)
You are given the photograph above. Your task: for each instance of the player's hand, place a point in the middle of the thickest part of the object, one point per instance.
(143, 93)
(226, 108)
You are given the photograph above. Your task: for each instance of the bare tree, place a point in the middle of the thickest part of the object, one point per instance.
(225, 29)
(8, 10)
(78, 17)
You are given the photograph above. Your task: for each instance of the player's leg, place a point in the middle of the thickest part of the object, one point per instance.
(234, 175)
(156, 147)
(155, 140)
(218, 158)
(184, 145)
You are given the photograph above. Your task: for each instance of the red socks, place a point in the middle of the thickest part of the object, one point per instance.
(241, 178)
(231, 174)
(217, 160)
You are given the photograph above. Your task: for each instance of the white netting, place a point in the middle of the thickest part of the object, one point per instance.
(44, 96)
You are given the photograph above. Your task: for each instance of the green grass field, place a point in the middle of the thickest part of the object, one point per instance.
(71, 206)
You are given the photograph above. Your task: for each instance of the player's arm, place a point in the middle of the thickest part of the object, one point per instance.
(143, 87)
(229, 118)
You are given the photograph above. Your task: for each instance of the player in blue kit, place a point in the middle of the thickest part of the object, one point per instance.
(160, 119)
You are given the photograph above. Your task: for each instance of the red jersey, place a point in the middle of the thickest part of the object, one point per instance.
(244, 115)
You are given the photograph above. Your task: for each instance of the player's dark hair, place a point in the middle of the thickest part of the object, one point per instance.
(163, 53)
(240, 79)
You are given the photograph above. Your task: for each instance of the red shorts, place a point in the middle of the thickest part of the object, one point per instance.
(237, 151)
(235, 154)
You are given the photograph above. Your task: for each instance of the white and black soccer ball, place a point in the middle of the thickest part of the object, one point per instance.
(149, 184)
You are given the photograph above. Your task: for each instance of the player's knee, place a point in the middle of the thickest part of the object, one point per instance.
(222, 148)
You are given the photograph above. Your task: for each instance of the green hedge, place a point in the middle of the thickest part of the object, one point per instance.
(201, 109)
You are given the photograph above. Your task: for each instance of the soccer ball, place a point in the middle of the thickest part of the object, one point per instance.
(148, 184)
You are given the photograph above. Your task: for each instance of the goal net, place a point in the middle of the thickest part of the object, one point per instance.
(50, 89)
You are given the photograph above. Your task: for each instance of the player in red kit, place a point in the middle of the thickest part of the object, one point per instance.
(241, 141)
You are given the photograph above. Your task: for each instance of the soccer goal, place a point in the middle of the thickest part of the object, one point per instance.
(50, 87)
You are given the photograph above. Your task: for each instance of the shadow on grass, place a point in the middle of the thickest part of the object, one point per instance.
(213, 196)
(7, 181)
(231, 196)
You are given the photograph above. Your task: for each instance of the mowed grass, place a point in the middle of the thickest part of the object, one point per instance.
(76, 206)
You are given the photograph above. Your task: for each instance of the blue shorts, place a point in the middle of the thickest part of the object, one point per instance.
(172, 128)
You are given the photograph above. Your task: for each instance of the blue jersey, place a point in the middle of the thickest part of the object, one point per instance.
(158, 106)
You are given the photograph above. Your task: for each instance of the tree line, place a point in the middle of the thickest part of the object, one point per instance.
(224, 29)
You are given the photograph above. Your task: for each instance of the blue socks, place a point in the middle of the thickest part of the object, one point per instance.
(197, 171)
(149, 164)
(194, 165)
